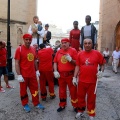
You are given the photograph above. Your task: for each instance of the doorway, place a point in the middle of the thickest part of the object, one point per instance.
(117, 35)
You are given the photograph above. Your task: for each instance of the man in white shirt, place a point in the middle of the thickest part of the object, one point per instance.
(115, 59)
(36, 31)
(106, 55)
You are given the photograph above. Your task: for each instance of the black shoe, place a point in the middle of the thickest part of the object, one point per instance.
(60, 109)
(53, 97)
(43, 99)
(76, 110)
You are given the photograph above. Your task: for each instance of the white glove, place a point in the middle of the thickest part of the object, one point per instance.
(20, 78)
(99, 74)
(56, 74)
(37, 73)
(68, 57)
(74, 81)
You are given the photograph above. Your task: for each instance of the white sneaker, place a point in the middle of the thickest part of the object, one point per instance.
(2, 90)
(92, 118)
(79, 115)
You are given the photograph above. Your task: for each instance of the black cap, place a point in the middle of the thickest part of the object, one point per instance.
(46, 25)
(42, 45)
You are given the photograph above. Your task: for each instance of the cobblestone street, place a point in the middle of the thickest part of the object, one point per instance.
(108, 102)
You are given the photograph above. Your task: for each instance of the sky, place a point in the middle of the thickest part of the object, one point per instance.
(63, 12)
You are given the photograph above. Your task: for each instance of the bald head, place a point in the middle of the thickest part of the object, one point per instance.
(88, 44)
(87, 40)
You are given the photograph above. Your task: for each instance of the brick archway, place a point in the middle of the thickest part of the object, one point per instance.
(117, 35)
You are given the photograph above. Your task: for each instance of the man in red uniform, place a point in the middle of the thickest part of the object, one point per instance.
(3, 66)
(25, 67)
(75, 36)
(64, 65)
(46, 71)
(87, 63)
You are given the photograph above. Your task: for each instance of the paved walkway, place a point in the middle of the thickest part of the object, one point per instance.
(108, 102)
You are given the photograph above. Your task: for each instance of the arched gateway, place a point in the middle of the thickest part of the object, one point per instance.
(117, 35)
(109, 25)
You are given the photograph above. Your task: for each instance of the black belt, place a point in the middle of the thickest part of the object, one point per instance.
(66, 73)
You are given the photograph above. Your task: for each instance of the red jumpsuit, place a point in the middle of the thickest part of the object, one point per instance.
(3, 61)
(3, 57)
(26, 56)
(46, 71)
(66, 70)
(75, 38)
(88, 64)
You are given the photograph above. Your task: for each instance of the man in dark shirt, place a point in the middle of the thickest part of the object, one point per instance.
(88, 31)
(47, 36)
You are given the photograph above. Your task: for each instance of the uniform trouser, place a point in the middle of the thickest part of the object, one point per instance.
(63, 82)
(115, 64)
(46, 76)
(32, 84)
(87, 97)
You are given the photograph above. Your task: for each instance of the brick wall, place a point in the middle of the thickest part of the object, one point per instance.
(109, 18)
(21, 14)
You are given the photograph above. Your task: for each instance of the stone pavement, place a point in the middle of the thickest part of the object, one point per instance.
(107, 104)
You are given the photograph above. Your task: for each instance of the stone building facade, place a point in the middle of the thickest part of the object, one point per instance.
(21, 15)
(109, 25)
(57, 34)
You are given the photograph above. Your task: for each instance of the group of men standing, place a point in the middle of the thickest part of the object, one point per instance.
(80, 72)
(75, 69)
